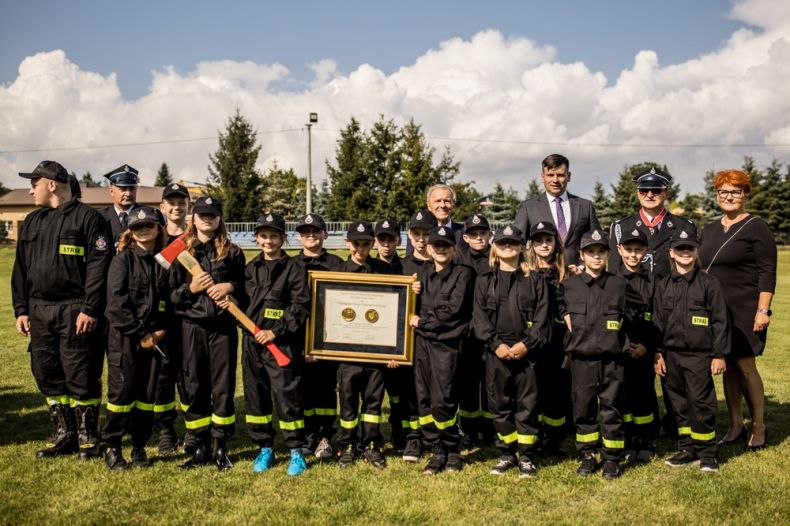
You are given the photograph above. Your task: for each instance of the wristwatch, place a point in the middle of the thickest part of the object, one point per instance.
(765, 311)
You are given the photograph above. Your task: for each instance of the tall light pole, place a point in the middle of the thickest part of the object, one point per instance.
(313, 119)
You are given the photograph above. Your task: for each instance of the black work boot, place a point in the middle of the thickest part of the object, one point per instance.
(139, 458)
(64, 440)
(168, 440)
(201, 456)
(220, 458)
(87, 418)
(114, 459)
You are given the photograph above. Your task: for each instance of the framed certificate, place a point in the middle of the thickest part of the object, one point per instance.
(360, 317)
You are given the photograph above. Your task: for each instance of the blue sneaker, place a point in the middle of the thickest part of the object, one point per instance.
(263, 461)
(297, 464)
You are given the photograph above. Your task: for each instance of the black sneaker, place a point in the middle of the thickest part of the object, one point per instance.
(682, 458)
(373, 456)
(645, 455)
(587, 465)
(139, 458)
(526, 468)
(469, 441)
(455, 463)
(436, 463)
(611, 469)
(709, 465)
(505, 463)
(412, 451)
(347, 457)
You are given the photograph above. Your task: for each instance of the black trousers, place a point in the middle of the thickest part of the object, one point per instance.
(165, 412)
(66, 366)
(473, 410)
(132, 377)
(360, 394)
(209, 351)
(435, 381)
(319, 399)
(598, 382)
(693, 396)
(640, 402)
(513, 400)
(554, 391)
(264, 379)
(404, 416)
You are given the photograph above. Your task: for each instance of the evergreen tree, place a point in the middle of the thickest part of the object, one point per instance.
(692, 205)
(505, 204)
(321, 199)
(233, 177)
(88, 182)
(534, 189)
(351, 198)
(602, 204)
(163, 177)
(467, 200)
(283, 193)
(383, 164)
(708, 202)
(767, 199)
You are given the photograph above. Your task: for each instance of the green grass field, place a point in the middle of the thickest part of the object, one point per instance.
(752, 488)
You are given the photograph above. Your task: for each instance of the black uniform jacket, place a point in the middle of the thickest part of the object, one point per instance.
(657, 258)
(643, 328)
(691, 313)
(446, 301)
(279, 298)
(370, 266)
(528, 297)
(599, 308)
(412, 265)
(137, 293)
(477, 260)
(200, 306)
(324, 261)
(537, 210)
(109, 214)
(62, 256)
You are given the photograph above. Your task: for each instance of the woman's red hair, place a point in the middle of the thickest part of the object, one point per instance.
(736, 178)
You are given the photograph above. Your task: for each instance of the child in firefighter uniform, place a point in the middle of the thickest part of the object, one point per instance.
(209, 336)
(361, 385)
(319, 377)
(445, 312)
(137, 293)
(691, 314)
(511, 316)
(597, 306)
(276, 286)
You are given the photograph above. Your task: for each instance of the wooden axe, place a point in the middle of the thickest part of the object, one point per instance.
(177, 250)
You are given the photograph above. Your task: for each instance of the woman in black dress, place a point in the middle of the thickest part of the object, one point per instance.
(740, 251)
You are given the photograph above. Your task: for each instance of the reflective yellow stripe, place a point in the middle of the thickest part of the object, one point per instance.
(628, 417)
(613, 444)
(589, 437)
(326, 411)
(349, 424)
(700, 321)
(162, 305)
(370, 419)
(257, 419)
(273, 314)
(508, 439)
(530, 323)
(648, 316)
(142, 406)
(71, 250)
(292, 426)
(184, 407)
(642, 420)
(469, 414)
(527, 439)
(553, 422)
(89, 402)
(410, 424)
(62, 399)
(114, 408)
(394, 399)
(197, 424)
(612, 325)
(486, 414)
(703, 436)
(425, 420)
(309, 412)
(445, 424)
(684, 431)
(223, 420)
(161, 408)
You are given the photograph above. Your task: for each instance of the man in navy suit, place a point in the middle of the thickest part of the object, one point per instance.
(572, 215)
(123, 189)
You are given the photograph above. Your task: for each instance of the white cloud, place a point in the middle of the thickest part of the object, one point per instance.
(509, 95)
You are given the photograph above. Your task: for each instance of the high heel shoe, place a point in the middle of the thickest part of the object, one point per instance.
(742, 437)
(757, 447)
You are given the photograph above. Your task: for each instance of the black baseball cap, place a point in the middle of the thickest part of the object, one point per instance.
(274, 221)
(593, 237)
(388, 227)
(360, 230)
(124, 175)
(543, 227)
(208, 205)
(476, 221)
(422, 219)
(313, 221)
(633, 234)
(48, 170)
(175, 189)
(508, 233)
(144, 214)
(441, 235)
(654, 179)
(682, 238)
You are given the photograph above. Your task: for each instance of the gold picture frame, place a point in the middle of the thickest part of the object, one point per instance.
(360, 317)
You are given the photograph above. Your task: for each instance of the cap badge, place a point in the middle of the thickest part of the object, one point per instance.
(669, 224)
(540, 225)
(308, 219)
(418, 216)
(361, 228)
(476, 220)
(653, 170)
(126, 168)
(508, 231)
(442, 231)
(174, 186)
(683, 235)
(635, 232)
(638, 223)
(141, 214)
(209, 201)
(385, 224)
(269, 218)
(596, 235)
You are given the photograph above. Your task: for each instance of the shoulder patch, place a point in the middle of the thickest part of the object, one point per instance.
(100, 244)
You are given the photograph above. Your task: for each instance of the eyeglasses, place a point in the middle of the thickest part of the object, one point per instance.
(654, 191)
(724, 194)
